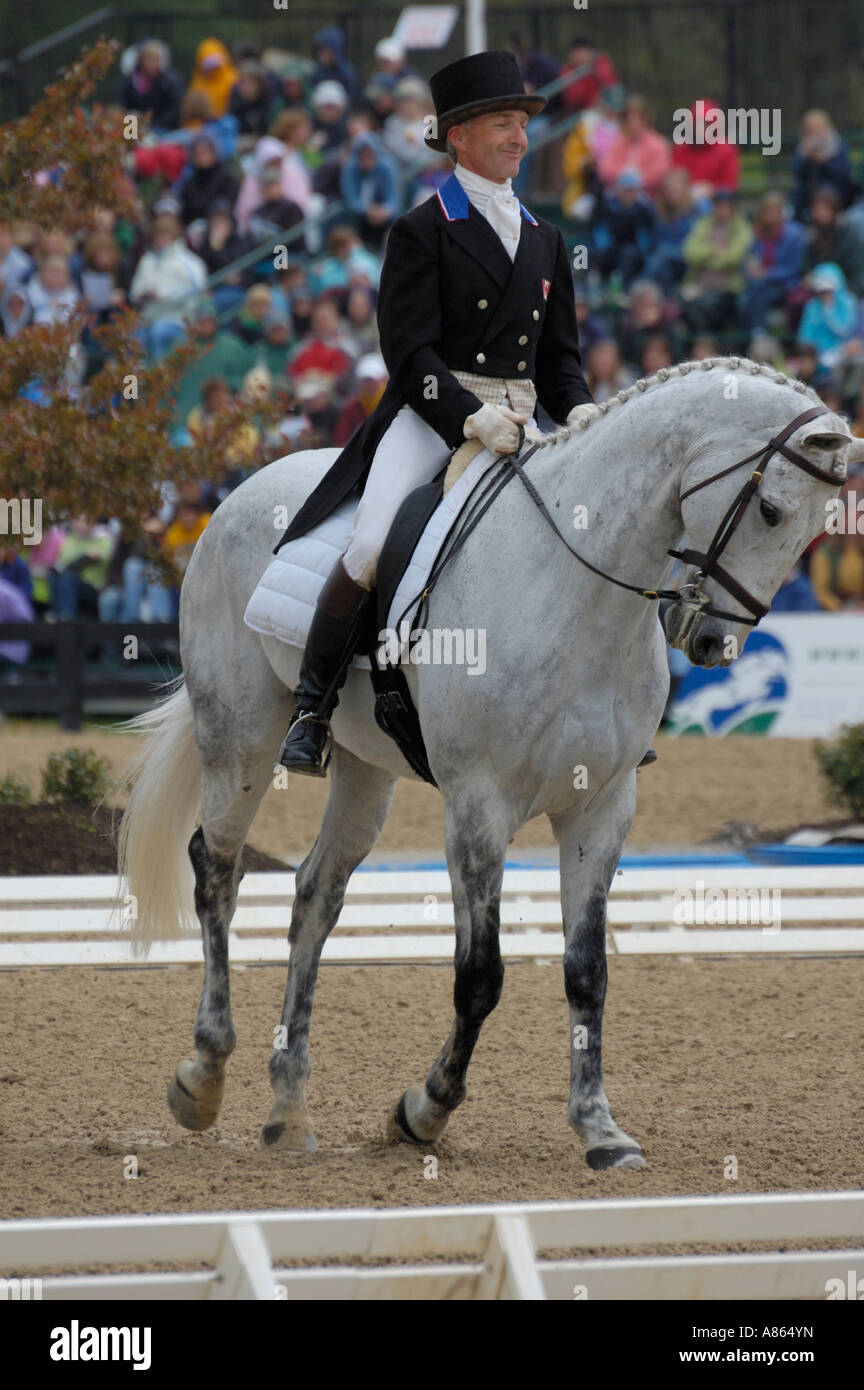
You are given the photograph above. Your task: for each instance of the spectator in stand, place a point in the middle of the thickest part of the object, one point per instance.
(379, 96)
(676, 212)
(295, 83)
(715, 252)
(637, 146)
(592, 328)
(257, 306)
(623, 230)
(830, 318)
(821, 161)
(152, 87)
(275, 213)
(362, 323)
(582, 189)
(331, 65)
(206, 180)
(648, 315)
(370, 187)
(371, 380)
(98, 278)
(51, 292)
(183, 535)
(220, 246)
(82, 569)
(403, 132)
(712, 167)
(251, 102)
(215, 74)
(301, 302)
(294, 129)
(326, 350)
(656, 352)
(348, 263)
(584, 91)
(837, 567)
(833, 238)
(390, 61)
(606, 373)
(15, 607)
(41, 561)
(271, 158)
(315, 397)
(15, 311)
(804, 364)
(15, 265)
(167, 279)
(15, 570)
(329, 119)
(277, 345)
(773, 266)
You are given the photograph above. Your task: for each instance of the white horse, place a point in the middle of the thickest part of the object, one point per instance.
(572, 694)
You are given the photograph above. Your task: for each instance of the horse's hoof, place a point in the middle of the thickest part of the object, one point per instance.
(288, 1138)
(195, 1112)
(615, 1156)
(398, 1130)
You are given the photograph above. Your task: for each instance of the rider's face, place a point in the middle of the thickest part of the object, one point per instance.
(492, 145)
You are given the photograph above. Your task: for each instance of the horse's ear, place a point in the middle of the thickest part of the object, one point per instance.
(825, 432)
(856, 451)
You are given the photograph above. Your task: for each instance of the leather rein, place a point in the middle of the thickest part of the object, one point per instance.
(707, 562)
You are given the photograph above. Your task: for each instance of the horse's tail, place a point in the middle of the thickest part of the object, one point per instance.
(160, 818)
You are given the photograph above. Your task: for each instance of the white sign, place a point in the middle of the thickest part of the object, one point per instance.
(425, 26)
(800, 675)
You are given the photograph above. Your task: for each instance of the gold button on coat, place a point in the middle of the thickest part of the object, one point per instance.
(520, 366)
(482, 303)
(536, 314)
(523, 340)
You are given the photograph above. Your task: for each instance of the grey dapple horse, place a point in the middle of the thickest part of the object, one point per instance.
(574, 688)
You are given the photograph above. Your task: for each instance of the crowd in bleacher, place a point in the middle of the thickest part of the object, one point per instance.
(308, 154)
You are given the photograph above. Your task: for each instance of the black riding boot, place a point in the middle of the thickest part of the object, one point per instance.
(331, 643)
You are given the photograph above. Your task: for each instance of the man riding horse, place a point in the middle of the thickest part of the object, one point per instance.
(476, 305)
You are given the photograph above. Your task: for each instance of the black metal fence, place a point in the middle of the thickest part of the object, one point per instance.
(789, 54)
(64, 679)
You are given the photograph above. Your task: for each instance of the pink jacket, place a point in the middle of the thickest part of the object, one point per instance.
(650, 155)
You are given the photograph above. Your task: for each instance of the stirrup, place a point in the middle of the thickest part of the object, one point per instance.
(318, 769)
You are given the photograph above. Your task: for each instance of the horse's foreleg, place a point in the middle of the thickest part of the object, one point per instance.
(590, 849)
(357, 808)
(477, 833)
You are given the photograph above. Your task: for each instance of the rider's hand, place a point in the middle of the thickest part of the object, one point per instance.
(496, 426)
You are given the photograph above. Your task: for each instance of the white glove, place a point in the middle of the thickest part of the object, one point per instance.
(496, 426)
(583, 412)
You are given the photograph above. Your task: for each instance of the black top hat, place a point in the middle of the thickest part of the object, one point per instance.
(475, 85)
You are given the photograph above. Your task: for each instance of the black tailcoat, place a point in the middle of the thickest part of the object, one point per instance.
(451, 299)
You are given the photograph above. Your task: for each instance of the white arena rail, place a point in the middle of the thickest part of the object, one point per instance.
(479, 1252)
(405, 915)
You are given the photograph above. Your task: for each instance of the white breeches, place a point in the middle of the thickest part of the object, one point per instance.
(409, 454)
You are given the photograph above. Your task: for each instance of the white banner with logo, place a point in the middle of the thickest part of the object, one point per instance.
(800, 675)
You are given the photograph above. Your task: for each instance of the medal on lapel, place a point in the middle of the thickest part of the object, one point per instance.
(547, 284)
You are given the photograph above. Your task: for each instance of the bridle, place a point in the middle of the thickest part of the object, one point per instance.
(708, 562)
(709, 568)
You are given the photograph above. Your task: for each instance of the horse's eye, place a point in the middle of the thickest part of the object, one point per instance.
(770, 513)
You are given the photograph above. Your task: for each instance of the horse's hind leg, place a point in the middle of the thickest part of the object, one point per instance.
(478, 828)
(360, 797)
(235, 776)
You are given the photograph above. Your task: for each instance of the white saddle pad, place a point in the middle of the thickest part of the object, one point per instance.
(284, 600)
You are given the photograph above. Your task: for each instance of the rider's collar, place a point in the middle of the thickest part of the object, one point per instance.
(454, 199)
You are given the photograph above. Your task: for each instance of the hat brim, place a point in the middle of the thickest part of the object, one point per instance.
(518, 102)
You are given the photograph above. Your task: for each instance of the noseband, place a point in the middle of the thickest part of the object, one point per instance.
(708, 562)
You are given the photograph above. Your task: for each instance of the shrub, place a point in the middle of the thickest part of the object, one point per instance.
(75, 774)
(842, 766)
(15, 791)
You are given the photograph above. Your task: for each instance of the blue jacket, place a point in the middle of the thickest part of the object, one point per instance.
(788, 255)
(361, 187)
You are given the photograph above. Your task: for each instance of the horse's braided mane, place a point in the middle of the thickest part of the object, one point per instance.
(707, 364)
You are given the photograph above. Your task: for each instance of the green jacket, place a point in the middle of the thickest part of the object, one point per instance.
(717, 266)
